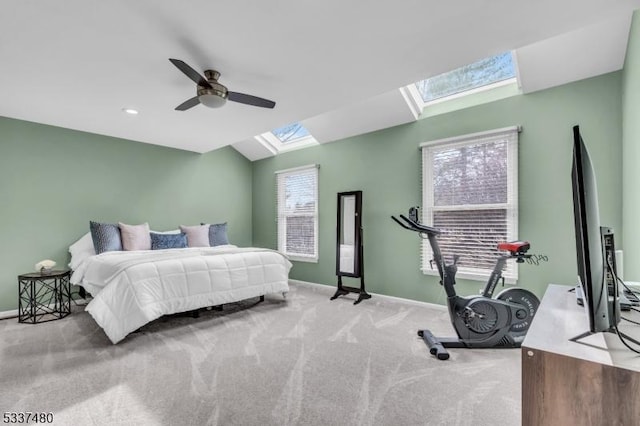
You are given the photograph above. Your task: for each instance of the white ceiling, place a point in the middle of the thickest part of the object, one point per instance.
(77, 63)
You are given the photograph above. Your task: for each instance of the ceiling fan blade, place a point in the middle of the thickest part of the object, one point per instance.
(190, 72)
(188, 104)
(250, 100)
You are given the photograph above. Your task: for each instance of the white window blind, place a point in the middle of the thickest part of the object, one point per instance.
(297, 216)
(470, 193)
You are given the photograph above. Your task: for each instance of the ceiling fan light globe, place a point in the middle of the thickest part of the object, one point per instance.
(211, 100)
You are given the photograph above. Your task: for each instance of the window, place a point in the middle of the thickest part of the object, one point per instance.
(290, 133)
(287, 138)
(470, 193)
(297, 204)
(486, 73)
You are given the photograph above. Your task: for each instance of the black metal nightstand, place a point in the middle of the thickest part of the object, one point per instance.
(44, 297)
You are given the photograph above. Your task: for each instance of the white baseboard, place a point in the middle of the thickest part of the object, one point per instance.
(382, 296)
(82, 302)
(14, 313)
(8, 314)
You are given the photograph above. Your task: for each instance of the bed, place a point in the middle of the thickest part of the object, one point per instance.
(132, 288)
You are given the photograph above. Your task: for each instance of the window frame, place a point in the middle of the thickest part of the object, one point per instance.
(457, 95)
(275, 145)
(510, 273)
(282, 215)
(420, 104)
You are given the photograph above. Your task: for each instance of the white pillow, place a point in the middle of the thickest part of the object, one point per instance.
(81, 250)
(173, 231)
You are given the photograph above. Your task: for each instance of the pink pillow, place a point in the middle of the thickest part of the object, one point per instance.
(135, 237)
(197, 236)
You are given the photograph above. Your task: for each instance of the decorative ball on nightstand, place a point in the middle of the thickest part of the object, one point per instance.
(45, 266)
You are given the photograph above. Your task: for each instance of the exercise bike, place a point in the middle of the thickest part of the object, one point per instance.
(480, 321)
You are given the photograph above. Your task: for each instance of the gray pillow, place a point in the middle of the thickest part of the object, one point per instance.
(218, 234)
(105, 236)
(135, 237)
(197, 236)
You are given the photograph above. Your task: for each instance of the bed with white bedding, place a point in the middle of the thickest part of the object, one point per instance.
(132, 288)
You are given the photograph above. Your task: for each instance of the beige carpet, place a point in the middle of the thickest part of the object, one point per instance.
(305, 360)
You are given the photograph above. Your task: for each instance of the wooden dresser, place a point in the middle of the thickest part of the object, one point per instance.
(596, 382)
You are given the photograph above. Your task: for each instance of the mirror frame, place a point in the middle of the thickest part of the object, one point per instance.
(357, 251)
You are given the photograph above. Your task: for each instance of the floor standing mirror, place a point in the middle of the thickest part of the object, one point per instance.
(349, 253)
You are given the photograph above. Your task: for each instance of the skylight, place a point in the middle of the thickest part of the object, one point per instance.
(287, 138)
(291, 133)
(485, 72)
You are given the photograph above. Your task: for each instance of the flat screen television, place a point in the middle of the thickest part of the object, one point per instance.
(595, 246)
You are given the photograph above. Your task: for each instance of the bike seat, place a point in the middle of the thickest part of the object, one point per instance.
(515, 247)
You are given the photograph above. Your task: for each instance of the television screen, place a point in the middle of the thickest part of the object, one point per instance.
(594, 244)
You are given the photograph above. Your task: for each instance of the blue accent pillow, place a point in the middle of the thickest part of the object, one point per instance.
(168, 241)
(105, 236)
(218, 234)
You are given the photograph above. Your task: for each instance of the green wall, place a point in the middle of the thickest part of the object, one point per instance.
(54, 180)
(631, 149)
(386, 166)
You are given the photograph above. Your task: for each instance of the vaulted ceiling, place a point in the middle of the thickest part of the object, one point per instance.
(335, 66)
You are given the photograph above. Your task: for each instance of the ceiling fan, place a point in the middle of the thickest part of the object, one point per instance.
(212, 94)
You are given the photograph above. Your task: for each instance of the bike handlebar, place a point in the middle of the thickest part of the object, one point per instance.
(416, 227)
(401, 224)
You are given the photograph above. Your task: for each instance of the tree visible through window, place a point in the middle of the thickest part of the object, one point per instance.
(470, 193)
(482, 73)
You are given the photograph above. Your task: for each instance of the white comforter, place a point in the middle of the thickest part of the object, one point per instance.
(131, 289)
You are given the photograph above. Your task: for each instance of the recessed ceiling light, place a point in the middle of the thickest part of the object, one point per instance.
(130, 111)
